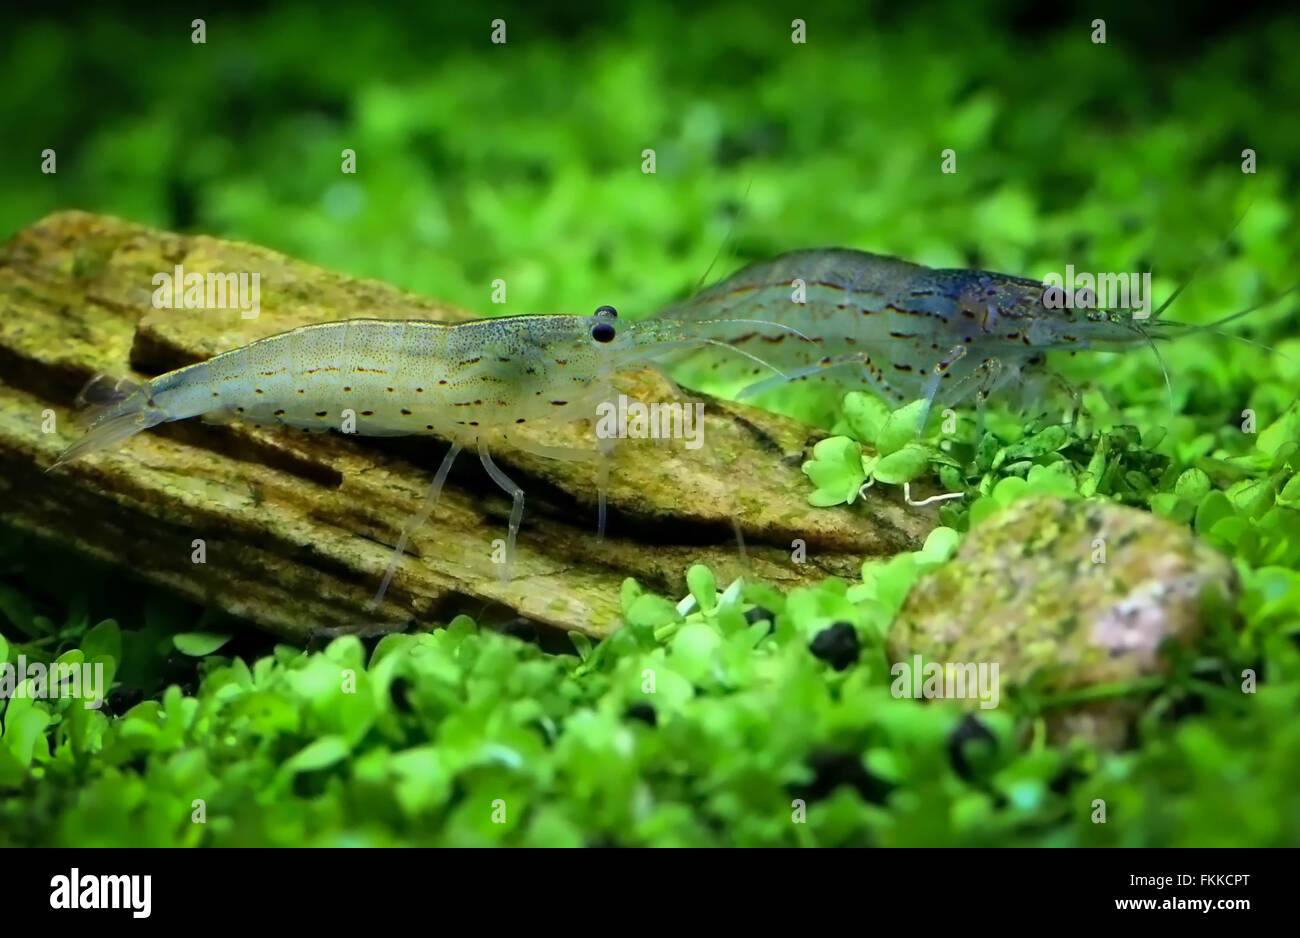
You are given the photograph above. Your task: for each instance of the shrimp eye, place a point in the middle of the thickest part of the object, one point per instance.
(602, 332)
(608, 312)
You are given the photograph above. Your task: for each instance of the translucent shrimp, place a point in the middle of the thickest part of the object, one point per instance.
(399, 377)
(905, 330)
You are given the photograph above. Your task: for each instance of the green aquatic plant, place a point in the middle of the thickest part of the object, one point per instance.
(841, 471)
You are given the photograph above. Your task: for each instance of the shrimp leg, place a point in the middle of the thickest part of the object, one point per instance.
(1037, 390)
(990, 371)
(414, 524)
(508, 486)
(602, 488)
(601, 457)
(606, 450)
(984, 378)
(955, 354)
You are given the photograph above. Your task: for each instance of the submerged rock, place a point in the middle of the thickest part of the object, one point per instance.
(1066, 594)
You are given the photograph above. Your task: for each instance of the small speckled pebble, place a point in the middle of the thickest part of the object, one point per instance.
(1027, 590)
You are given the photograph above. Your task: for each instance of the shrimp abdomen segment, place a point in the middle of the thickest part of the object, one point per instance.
(313, 377)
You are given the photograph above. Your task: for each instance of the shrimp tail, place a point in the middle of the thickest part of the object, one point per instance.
(117, 410)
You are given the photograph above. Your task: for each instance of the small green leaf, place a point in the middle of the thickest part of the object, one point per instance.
(827, 498)
(1289, 497)
(693, 648)
(836, 471)
(628, 593)
(1193, 483)
(25, 730)
(198, 644)
(1008, 489)
(940, 545)
(986, 451)
(1171, 506)
(703, 586)
(866, 414)
(1277, 434)
(1040, 444)
(581, 644)
(902, 427)
(650, 611)
(952, 479)
(906, 464)
(1056, 479)
(104, 639)
(1229, 530)
(320, 754)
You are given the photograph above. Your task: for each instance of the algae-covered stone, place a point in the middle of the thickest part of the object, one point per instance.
(1068, 594)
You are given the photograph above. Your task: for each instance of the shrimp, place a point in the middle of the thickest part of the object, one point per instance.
(905, 330)
(399, 377)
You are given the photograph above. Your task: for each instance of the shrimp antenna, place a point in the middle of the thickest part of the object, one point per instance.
(1169, 387)
(1201, 263)
(731, 230)
(758, 322)
(1186, 329)
(1214, 326)
(740, 351)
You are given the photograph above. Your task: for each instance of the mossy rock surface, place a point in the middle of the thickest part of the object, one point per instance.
(1067, 595)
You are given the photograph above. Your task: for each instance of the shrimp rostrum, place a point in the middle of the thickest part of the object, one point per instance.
(399, 377)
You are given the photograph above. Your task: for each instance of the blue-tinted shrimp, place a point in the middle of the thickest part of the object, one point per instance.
(905, 330)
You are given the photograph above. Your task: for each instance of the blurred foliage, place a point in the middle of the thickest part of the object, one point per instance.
(523, 161)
